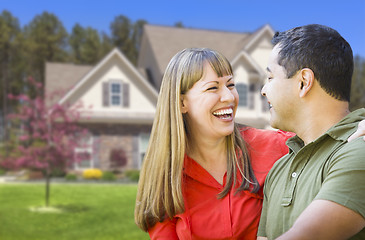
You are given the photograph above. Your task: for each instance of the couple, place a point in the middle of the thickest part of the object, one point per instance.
(203, 175)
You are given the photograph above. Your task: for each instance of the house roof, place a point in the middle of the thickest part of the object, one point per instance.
(62, 77)
(167, 41)
(93, 70)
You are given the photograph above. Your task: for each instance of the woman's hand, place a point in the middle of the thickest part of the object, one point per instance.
(360, 132)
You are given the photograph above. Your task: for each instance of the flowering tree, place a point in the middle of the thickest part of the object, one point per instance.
(48, 135)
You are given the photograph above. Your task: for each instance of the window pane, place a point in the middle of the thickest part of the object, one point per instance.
(115, 87)
(242, 92)
(115, 100)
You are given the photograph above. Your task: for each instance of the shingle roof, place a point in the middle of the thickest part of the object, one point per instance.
(167, 41)
(63, 76)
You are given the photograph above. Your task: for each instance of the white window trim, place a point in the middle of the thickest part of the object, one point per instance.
(88, 149)
(140, 159)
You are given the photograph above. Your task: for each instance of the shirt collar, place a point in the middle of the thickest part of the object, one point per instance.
(339, 132)
(198, 173)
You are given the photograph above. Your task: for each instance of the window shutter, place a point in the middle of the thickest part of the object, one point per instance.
(125, 95)
(105, 94)
(251, 94)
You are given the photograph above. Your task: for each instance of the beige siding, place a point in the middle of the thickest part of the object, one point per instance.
(262, 52)
(91, 93)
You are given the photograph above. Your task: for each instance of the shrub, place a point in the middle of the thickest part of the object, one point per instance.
(108, 176)
(2, 172)
(118, 158)
(92, 173)
(132, 174)
(71, 177)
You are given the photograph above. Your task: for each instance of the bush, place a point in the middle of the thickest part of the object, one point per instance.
(108, 176)
(118, 158)
(71, 177)
(58, 172)
(2, 172)
(92, 173)
(132, 174)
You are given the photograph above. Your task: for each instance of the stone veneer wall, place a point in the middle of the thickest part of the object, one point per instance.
(117, 136)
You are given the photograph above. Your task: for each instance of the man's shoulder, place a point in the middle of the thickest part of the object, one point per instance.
(350, 152)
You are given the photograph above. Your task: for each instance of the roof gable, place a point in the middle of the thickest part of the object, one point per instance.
(61, 77)
(114, 55)
(167, 41)
(265, 31)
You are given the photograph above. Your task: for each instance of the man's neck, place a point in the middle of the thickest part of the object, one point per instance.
(316, 122)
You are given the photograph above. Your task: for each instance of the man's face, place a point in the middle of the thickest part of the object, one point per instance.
(280, 93)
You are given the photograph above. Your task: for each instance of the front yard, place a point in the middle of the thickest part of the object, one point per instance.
(85, 212)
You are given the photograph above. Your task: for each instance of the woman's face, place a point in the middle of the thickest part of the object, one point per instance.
(210, 105)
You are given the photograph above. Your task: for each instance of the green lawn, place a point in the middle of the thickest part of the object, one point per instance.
(90, 211)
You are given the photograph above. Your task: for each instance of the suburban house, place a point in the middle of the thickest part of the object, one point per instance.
(123, 97)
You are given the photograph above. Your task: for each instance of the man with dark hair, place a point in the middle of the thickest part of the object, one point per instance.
(316, 191)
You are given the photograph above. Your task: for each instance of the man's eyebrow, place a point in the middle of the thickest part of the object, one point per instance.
(268, 69)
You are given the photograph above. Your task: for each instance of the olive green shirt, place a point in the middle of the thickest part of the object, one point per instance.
(329, 168)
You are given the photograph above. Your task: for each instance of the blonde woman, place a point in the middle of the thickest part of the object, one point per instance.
(203, 174)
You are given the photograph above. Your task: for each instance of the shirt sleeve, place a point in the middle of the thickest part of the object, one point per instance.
(344, 181)
(165, 230)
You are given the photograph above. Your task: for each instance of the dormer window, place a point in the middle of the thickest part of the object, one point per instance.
(115, 93)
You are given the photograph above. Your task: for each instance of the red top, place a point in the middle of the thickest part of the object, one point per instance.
(236, 216)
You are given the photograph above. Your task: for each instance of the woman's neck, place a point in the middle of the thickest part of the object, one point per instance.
(211, 155)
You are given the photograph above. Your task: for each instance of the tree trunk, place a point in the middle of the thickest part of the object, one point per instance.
(5, 109)
(48, 180)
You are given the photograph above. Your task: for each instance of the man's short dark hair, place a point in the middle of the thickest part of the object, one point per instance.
(324, 51)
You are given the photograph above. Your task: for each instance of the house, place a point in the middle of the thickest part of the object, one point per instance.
(123, 96)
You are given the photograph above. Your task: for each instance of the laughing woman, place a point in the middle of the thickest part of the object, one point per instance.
(203, 175)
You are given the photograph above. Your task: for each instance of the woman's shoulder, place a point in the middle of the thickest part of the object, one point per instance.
(250, 134)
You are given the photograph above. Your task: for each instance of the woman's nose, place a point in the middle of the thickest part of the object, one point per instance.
(227, 95)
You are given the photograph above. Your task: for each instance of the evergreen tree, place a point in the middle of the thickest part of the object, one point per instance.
(86, 45)
(127, 36)
(46, 40)
(10, 66)
(358, 84)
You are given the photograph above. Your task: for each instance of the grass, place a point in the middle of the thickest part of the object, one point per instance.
(88, 211)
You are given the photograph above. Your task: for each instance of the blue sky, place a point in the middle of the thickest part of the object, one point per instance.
(347, 17)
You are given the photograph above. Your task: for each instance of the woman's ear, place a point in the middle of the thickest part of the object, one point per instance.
(184, 108)
(306, 81)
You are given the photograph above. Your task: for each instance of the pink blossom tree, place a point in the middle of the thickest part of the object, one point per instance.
(48, 135)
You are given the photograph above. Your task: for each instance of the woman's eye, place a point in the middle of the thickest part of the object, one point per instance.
(212, 88)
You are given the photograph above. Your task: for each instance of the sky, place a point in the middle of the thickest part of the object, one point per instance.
(347, 17)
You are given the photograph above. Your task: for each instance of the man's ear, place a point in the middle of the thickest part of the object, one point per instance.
(184, 108)
(306, 81)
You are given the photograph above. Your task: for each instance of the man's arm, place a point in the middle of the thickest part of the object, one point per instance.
(324, 220)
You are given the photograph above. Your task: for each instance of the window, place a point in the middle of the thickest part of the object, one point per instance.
(265, 104)
(84, 154)
(143, 144)
(243, 93)
(115, 94)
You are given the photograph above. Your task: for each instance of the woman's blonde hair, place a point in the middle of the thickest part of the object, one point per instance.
(160, 184)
